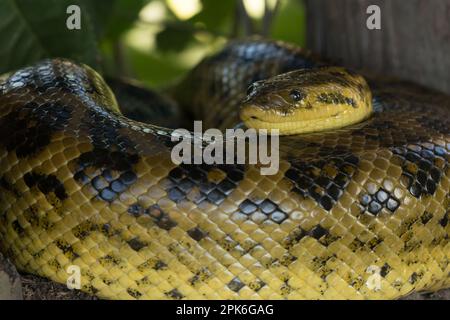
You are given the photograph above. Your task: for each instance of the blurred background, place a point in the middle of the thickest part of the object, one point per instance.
(153, 41)
(156, 41)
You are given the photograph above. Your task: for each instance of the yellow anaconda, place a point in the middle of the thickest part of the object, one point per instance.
(360, 212)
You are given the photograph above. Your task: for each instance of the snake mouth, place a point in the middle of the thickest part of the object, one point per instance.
(255, 117)
(297, 121)
(255, 113)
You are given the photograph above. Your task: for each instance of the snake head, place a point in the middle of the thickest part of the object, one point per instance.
(307, 100)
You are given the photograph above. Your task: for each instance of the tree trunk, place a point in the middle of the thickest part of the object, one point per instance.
(413, 42)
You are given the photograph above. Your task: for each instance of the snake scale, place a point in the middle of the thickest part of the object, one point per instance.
(360, 212)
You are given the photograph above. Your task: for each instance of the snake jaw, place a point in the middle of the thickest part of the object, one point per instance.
(305, 101)
(301, 120)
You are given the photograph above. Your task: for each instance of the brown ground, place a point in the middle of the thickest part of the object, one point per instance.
(37, 288)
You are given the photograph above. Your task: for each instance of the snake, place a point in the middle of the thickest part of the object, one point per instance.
(359, 208)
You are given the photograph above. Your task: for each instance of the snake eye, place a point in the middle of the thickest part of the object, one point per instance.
(296, 95)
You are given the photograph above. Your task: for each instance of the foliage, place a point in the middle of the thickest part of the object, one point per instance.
(146, 39)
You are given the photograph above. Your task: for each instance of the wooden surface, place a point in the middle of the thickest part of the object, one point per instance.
(413, 43)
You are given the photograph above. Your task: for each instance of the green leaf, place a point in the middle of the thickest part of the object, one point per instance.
(121, 15)
(175, 37)
(155, 70)
(31, 30)
(215, 15)
(100, 13)
(290, 23)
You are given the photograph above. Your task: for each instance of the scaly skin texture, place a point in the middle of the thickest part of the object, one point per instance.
(82, 185)
(307, 100)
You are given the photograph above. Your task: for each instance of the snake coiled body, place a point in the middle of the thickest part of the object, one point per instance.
(360, 212)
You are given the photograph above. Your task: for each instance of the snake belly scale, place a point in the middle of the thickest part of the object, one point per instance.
(80, 184)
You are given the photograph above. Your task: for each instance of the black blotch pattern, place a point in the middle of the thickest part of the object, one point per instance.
(134, 293)
(371, 131)
(444, 221)
(426, 216)
(136, 244)
(201, 275)
(136, 210)
(18, 228)
(278, 216)
(320, 265)
(197, 234)
(104, 131)
(90, 289)
(272, 211)
(422, 167)
(159, 217)
(385, 269)
(247, 207)
(257, 285)
(84, 229)
(46, 184)
(29, 129)
(66, 248)
(190, 182)
(415, 277)
(5, 184)
(324, 180)
(356, 244)
(375, 202)
(375, 241)
(114, 156)
(336, 98)
(318, 232)
(174, 294)
(235, 284)
(160, 265)
(54, 263)
(107, 160)
(110, 259)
